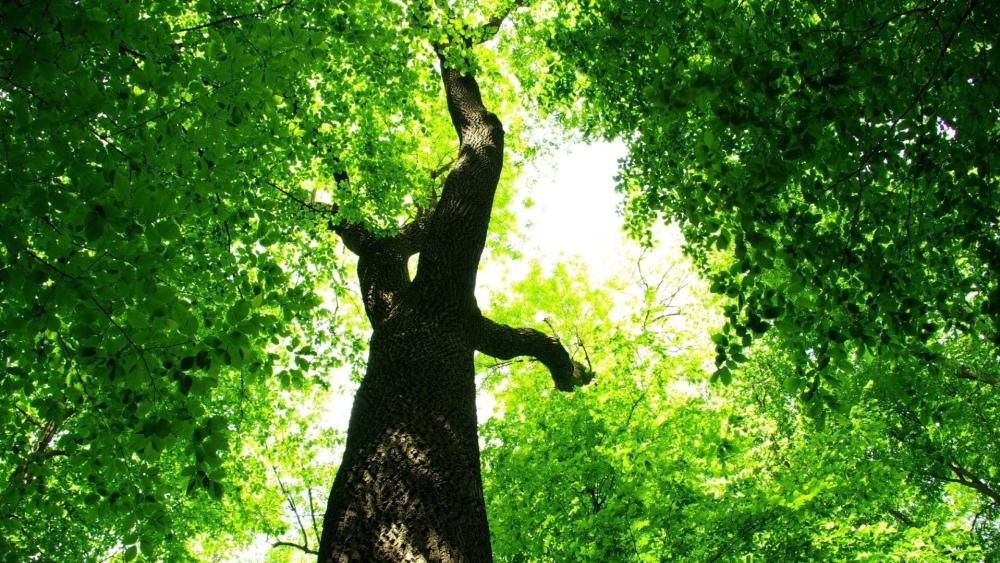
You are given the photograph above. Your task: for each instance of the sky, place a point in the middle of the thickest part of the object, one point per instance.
(574, 211)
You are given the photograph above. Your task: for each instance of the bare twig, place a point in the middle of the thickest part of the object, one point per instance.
(30, 418)
(291, 504)
(312, 510)
(295, 545)
(128, 338)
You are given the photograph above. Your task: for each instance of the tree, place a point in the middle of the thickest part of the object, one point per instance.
(654, 463)
(410, 485)
(161, 245)
(178, 178)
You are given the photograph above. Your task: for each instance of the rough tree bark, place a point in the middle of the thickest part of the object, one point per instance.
(409, 487)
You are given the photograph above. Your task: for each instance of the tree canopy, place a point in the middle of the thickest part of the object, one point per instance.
(831, 165)
(176, 306)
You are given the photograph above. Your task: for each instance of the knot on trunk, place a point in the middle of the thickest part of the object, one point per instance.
(577, 375)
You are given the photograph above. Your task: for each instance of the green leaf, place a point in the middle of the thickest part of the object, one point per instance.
(724, 375)
(238, 311)
(167, 230)
(93, 226)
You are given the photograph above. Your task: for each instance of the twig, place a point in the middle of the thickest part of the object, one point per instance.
(944, 49)
(291, 504)
(30, 418)
(128, 338)
(583, 347)
(312, 510)
(555, 334)
(295, 545)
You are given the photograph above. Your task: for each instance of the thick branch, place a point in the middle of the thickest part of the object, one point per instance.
(965, 477)
(504, 342)
(491, 27)
(411, 236)
(452, 242)
(465, 105)
(903, 518)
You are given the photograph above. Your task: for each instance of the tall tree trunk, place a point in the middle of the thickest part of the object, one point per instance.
(409, 487)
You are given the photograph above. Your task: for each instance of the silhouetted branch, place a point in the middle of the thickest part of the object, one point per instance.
(295, 511)
(966, 373)
(356, 238)
(903, 518)
(295, 545)
(505, 343)
(131, 343)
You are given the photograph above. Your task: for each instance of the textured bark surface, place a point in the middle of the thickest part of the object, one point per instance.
(409, 487)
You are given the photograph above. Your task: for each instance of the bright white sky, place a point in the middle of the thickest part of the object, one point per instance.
(574, 212)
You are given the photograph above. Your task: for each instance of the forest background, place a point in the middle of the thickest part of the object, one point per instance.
(815, 378)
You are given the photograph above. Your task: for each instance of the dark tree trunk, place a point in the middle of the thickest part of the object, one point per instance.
(409, 487)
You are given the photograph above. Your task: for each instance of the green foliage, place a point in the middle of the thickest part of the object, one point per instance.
(172, 301)
(159, 269)
(652, 463)
(169, 282)
(831, 165)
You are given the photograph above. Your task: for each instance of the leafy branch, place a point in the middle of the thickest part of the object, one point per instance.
(237, 17)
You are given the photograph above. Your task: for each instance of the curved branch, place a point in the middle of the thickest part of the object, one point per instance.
(411, 236)
(968, 479)
(465, 106)
(504, 342)
(295, 545)
(452, 242)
